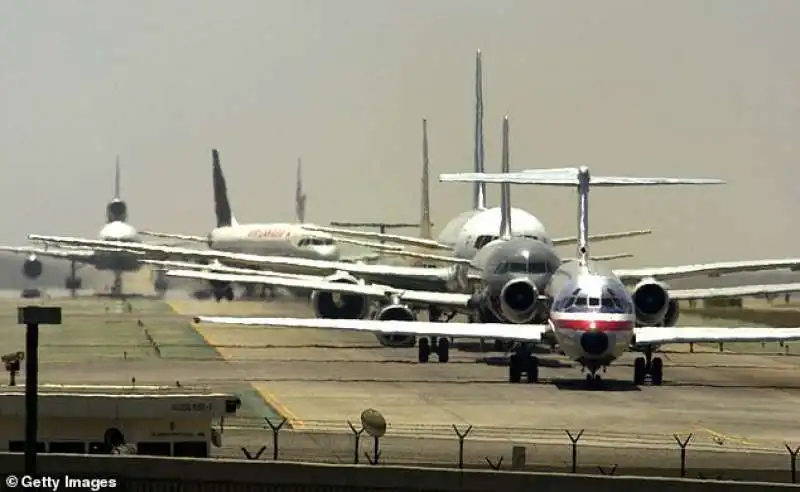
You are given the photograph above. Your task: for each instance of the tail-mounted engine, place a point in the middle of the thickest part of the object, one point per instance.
(652, 303)
(396, 312)
(518, 300)
(117, 211)
(32, 268)
(332, 305)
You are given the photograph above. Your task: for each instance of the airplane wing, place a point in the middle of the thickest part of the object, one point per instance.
(78, 255)
(394, 238)
(532, 333)
(455, 301)
(658, 335)
(628, 275)
(738, 291)
(180, 237)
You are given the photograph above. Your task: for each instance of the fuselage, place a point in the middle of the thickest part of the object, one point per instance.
(592, 315)
(477, 229)
(275, 240)
(119, 262)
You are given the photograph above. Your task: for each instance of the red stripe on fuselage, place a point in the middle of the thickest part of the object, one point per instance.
(593, 325)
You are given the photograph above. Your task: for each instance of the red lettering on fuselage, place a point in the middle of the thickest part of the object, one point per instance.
(276, 233)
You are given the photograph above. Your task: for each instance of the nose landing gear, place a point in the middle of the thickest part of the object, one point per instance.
(648, 365)
(426, 346)
(522, 361)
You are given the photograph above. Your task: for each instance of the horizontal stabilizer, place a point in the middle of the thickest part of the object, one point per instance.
(569, 177)
(601, 237)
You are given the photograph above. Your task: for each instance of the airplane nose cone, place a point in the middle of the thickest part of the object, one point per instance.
(594, 342)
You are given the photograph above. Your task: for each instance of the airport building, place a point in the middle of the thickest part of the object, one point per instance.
(160, 421)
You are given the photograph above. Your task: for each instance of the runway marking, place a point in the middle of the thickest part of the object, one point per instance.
(268, 398)
(281, 409)
(724, 437)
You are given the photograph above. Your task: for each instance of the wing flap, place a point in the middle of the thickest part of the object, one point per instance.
(394, 238)
(700, 334)
(181, 237)
(531, 333)
(64, 254)
(561, 241)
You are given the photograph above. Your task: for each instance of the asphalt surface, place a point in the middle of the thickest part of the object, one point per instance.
(739, 408)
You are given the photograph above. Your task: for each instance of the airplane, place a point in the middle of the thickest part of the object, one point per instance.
(593, 316)
(116, 229)
(512, 270)
(282, 239)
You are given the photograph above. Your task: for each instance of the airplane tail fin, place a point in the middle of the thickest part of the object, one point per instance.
(479, 190)
(505, 188)
(222, 206)
(116, 210)
(117, 192)
(425, 225)
(579, 177)
(299, 195)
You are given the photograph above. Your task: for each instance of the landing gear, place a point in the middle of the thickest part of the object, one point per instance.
(224, 293)
(116, 289)
(426, 346)
(648, 365)
(73, 283)
(522, 361)
(161, 284)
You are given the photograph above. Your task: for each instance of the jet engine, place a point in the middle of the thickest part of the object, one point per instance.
(396, 312)
(117, 210)
(332, 305)
(673, 313)
(651, 301)
(519, 300)
(32, 268)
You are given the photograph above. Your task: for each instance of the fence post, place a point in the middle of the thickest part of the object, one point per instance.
(683, 445)
(461, 437)
(574, 440)
(275, 430)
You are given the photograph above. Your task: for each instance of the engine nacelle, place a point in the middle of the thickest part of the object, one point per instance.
(673, 313)
(396, 312)
(518, 300)
(651, 301)
(32, 268)
(117, 210)
(332, 305)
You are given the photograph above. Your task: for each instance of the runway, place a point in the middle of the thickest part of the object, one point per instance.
(739, 408)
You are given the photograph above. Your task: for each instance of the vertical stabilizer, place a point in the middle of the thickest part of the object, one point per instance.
(479, 190)
(117, 195)
(299, 195)
(425, 207)
(584, 178)
(222, 206)
(505, 188)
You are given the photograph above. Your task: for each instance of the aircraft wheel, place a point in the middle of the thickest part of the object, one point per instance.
(514, 369)
(657, 371)
(423, 350)
(639, 370)
(73, 283)
(443, 350)
(533, 370)
(228, 293)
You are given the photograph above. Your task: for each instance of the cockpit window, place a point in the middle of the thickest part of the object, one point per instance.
(483, 241)
(315, 241)
(594, 301)
(580, 301)
(536, 267)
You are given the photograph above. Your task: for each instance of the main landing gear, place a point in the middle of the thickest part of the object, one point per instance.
(440, 346)
(223, 293)
(522, 361)
(73, 283)
(648, 365)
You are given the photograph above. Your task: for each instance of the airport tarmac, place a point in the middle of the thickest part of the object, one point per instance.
(740, 408)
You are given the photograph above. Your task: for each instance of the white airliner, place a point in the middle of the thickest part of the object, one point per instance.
(271, 239)
(117, 229)
(593, 316)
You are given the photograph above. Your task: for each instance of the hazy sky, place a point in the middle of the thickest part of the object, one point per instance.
(692, 88)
